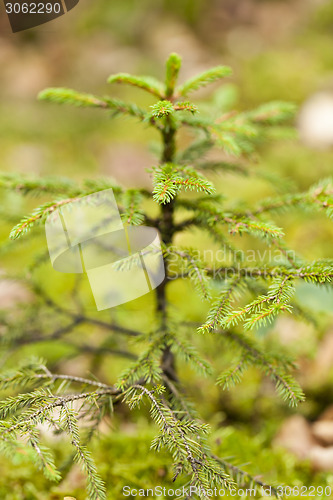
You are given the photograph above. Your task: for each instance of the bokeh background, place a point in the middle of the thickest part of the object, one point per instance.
(279, 50)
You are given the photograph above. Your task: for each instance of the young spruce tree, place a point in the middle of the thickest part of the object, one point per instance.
(241, 297)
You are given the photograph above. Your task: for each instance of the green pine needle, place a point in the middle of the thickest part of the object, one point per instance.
(173, 66)
(146, 83)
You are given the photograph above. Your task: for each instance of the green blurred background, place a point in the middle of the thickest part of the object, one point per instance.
(279, 50)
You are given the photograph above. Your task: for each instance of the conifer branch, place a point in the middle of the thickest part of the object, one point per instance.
(194, 270)
(319, 198)
(207, 214)
(272, 113)
(245, 479)
(20, 184)
(319, 272)
(74, 98)
(222, 306)
(169, 181)
(146, 83)
(132, 212)
(173, 65)
(44, 458)
(38, 215)
(233, 375)
(276, 367)
(264, 308)
(204, 79)
(176, 437)
(96, 487)
(152, 375)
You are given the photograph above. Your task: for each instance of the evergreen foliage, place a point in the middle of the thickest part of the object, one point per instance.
(240, 298)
